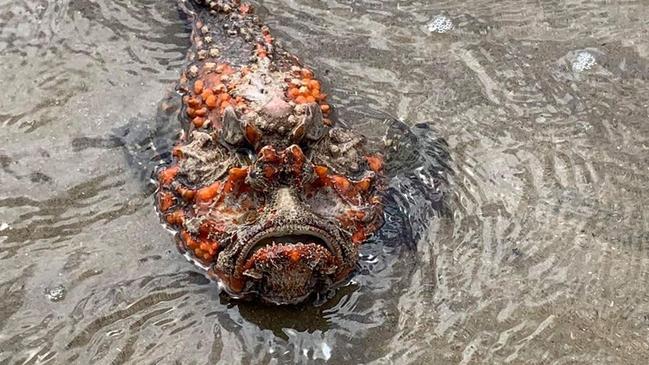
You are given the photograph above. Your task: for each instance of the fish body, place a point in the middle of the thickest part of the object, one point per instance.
(265, 190)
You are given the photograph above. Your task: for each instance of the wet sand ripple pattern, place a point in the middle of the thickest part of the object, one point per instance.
(545, 259)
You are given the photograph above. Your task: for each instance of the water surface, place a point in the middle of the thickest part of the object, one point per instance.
(544, 259)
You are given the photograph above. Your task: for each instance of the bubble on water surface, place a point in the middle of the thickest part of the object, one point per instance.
(440, 24)
(56, 293)
(583, 61)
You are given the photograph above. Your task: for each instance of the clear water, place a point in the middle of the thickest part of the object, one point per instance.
(544, 259)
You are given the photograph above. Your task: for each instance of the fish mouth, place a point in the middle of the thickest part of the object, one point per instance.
(285, 264)
(290, 235)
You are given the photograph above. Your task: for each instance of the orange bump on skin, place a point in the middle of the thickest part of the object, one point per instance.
(210, 246)
(300, 99)
(375, 163)
(207, 193)
(235, 180)
(211, 102)
(341, 183)
(190, 242)
(268, 154)
(167, 175)
(297, 153)
(185, 193)
(205, 247)
(191, 112)
(198, 86)
(294, 255)
(293, 92)
(228, 187)
(314, 84)
(238, 173)
(325, 108)
(198, 122)
(201, 112)
(193, 102)
(166, 201)
(206, 94)
(175, 218)
(310, 99)
(222, 98)
(321, 171)
(363, 185)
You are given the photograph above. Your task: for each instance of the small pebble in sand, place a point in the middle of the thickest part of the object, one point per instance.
(583, 61)
(55, 294)
(440, 24)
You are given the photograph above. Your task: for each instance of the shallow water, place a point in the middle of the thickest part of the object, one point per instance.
(544, 259)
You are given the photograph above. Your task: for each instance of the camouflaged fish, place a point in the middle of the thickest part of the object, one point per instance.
(265, 191)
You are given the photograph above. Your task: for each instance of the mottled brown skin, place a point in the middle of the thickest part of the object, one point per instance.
(264, 191)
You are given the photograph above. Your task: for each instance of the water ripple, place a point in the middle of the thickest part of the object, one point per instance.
(542, 256)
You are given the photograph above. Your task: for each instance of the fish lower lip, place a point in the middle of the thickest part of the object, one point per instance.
(287, 240)
(309, 255)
